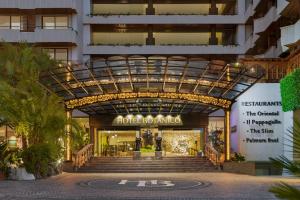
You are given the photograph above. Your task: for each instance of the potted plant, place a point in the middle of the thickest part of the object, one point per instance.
(238, 157)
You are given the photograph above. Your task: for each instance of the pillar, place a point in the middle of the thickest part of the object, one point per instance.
(213, 40)
(96, 142)
(241, 34)
(227, 135)
(241, 7)
(150, 39)
(150, 9)
(213, 10)
(94, 138)
(68, 154)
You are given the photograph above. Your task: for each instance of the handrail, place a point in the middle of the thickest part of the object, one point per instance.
(213, 155)
(82, 156)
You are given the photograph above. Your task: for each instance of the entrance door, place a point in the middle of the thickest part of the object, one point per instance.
(148, 136)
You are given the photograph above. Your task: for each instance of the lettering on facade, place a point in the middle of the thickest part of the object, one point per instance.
(139, 120)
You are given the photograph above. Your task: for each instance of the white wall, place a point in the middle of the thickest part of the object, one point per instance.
(247, 128)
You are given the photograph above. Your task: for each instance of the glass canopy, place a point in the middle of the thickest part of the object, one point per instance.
(150, 85)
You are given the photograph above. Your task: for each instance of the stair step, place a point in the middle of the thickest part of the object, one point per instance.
(147, 164)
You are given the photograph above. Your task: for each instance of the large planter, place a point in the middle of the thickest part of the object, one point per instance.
(240, 167)
(20, 174)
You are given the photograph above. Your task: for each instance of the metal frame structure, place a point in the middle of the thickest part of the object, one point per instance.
(122, 77)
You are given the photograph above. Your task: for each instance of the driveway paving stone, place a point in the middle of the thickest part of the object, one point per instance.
(148, 186)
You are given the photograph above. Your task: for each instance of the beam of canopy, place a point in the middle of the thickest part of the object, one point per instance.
(150, 85)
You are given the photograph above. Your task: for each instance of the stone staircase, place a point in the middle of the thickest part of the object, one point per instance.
(147, 164)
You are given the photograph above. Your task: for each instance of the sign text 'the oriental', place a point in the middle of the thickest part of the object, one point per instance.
(139, 120)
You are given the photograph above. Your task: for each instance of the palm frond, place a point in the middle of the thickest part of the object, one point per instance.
(284, 162)
(285, 191)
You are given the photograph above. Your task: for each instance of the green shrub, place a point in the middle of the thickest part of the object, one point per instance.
(238, 157)
(39, 158)
(148, 149)
(8, 158)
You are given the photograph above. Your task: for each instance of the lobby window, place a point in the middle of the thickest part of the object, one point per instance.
(10, 22)
(55, 22)
(58, 54)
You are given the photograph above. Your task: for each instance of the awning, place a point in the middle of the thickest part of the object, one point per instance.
(150, 85)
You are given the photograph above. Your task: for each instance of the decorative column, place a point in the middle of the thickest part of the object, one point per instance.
(68, 154)
(150, 39)
(150, 9)
(227, 135)
(96, 142)
(227, 122)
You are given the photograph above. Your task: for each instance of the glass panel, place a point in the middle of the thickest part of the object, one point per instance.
(48, 22)
(182, 142)
(119, 9)
(4, 22)
(181, 38)
(182, 9)
(61, 55)
(16, 22)
(119, 38)
(116, 143)
(50, 52)
(62, 22)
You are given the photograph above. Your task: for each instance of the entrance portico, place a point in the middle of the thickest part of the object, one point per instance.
(119, 86)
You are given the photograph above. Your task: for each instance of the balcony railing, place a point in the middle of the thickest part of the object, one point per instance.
(160, 39)
(36, 4)
(25, 28)
(290, 34)
(160, 9)
(38, 35)
(261, 24)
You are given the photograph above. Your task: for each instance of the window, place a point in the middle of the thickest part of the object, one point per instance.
(57, 54)
(55, 22)
(10, 22)
(16, 22)
(4, 22)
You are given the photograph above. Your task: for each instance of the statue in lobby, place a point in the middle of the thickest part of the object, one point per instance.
(137, 144)
(158, 143)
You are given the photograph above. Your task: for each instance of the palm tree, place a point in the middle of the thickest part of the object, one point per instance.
(283, 190)
(35, 114)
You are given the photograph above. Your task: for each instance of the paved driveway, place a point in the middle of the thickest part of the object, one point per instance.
(180, 186)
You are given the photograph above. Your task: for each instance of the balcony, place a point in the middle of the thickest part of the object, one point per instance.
(40, 36)
(108, 9)
(249, 12)
(255, 3)
(272, 52)
(261, 24)
(281, 5)
(163, 49)
(163, 19)
(290, 34)
(38, 4)
(173, 37)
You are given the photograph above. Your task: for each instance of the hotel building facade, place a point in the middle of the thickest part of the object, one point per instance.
(182, 71)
